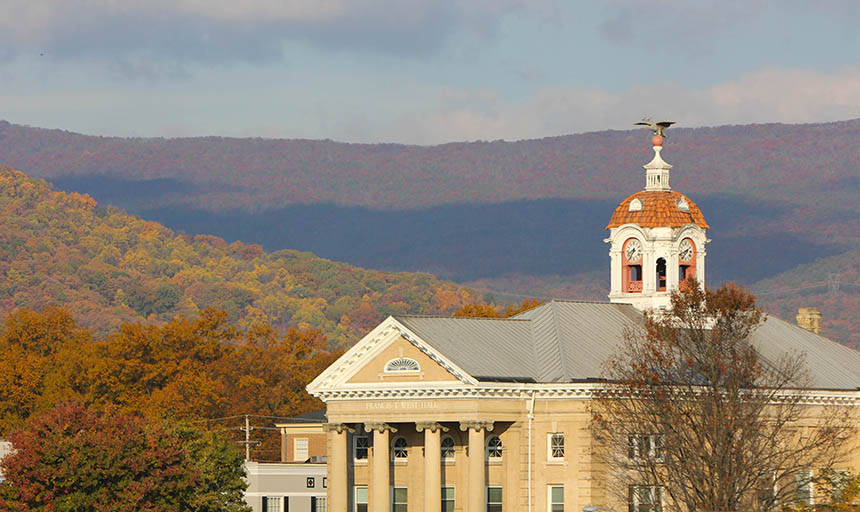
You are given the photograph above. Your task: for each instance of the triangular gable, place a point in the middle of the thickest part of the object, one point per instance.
(369, 351)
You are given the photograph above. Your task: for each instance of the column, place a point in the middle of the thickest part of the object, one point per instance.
(432, 464)
(477, 489)
(337, 467)
(380, 499)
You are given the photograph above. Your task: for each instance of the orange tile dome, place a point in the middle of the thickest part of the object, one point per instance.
(659, 209)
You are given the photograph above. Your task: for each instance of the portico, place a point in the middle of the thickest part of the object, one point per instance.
(422, 465)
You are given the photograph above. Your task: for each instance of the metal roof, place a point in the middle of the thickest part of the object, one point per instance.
(565, 341)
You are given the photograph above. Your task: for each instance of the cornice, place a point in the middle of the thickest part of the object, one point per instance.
(539, 391)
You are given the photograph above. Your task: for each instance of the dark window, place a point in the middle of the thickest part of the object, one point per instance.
(494, 499)
(635, 272)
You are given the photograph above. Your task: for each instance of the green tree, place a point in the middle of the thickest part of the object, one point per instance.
(77, 459)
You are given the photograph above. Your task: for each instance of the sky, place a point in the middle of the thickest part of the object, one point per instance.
(423, 71)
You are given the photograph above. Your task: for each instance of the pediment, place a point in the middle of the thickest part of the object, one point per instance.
(402, 361)
(391, 345)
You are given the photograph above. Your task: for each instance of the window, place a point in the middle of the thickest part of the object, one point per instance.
(644, 498)
(398, 499)
(402, 364)
(272, 503)
(804, 492)
(399, 452)
(494, 499)
(360, 444)
(360, 498)
(318, 504)
(645, 446)
(494, 448)
(448, 499)
(447, 449)
(555, 445)
(555, 498)
(839, 481)
(300, 449)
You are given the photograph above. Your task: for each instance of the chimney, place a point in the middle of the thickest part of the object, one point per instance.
(809, 319)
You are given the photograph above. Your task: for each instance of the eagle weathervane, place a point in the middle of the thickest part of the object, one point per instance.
(658, 127)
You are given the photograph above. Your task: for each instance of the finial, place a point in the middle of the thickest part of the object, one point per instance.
(658, 128)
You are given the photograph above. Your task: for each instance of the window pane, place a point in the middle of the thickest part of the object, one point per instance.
(361, 494)
(447, 448)
(300, 449)
(557, 507)
(400, 495)
(361, 445)
(494, 448)
(361, 507)
(447, 493)
(558, 494)
(494, 494)
(400, 448)
(556, 442)
(491, 507)
(273, 504)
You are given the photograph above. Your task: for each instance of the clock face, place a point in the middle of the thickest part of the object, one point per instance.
(633, 250)
(686, 250)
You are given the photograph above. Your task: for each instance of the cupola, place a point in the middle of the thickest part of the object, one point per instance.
(657, 238)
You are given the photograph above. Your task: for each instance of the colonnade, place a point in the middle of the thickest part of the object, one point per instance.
(380, 465)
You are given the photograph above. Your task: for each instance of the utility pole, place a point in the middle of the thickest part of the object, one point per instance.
(247, 441)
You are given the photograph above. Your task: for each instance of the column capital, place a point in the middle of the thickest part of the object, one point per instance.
(432, 426)
(340, 428)
(476, 425)
(378, 426)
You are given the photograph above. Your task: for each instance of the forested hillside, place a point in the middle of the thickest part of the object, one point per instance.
(793, 163)
(522, 217)
(108, 267)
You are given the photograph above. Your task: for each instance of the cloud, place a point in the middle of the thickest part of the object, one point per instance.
(248, 30)
(769, 95)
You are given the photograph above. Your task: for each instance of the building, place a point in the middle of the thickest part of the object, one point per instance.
(474, 414)
(297, 483)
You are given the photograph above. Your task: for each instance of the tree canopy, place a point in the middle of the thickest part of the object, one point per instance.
(77, 459)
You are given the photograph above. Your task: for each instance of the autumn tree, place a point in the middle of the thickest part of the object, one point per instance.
(45, 358)
(694, 418)
(483, 310)
(77, 459)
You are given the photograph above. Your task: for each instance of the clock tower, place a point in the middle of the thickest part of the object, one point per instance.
(657, 239)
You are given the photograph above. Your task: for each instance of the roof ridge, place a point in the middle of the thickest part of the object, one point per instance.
(576, 301)
(451, 317)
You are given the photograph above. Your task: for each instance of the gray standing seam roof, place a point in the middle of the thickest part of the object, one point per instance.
(567, 341)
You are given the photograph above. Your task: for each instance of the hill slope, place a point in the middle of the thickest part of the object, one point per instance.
(109, 267)
(793, 163)
(522, 217)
